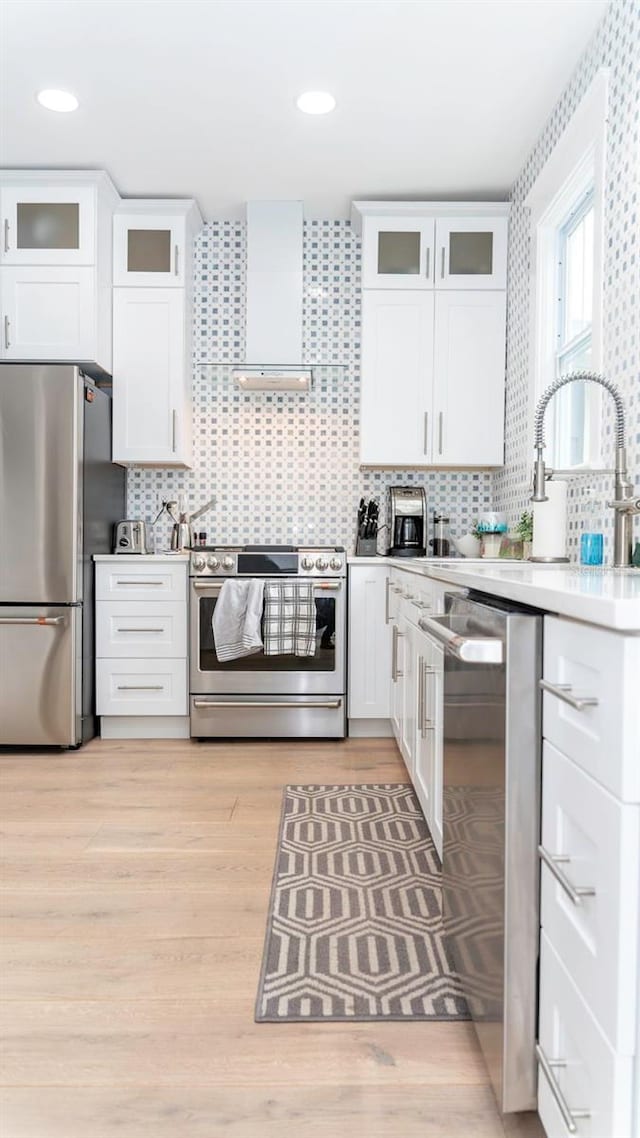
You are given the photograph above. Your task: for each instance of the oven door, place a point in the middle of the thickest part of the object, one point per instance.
(321, 674)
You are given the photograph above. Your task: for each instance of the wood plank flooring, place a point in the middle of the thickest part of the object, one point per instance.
(136, 878)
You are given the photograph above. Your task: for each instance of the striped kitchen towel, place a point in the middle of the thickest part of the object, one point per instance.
(289, 624)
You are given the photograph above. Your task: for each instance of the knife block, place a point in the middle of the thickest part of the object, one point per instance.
(366, 546)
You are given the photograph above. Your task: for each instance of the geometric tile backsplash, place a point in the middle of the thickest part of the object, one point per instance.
(284, 468)
(616, 45)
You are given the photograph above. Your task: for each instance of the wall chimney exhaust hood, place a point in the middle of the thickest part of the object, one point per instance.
(274, 299)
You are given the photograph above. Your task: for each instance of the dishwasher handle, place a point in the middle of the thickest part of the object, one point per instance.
(471, 649)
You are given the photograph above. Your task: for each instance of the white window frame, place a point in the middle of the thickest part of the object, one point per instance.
(576, 165)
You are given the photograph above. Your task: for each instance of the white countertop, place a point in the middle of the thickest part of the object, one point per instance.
(609, 597)
(124, 557)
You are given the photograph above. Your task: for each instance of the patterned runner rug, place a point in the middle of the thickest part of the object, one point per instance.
(355, 925)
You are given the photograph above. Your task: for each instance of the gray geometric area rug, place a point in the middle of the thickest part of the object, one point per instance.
(355, 924)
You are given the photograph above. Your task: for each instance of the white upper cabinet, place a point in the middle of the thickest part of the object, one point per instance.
(149, 249)
(471, 252)
(433, 332)
(48, 225)
(469, 368)
(398, 253)
(397, 360)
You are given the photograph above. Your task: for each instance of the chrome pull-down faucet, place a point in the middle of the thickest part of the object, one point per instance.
(625, 504)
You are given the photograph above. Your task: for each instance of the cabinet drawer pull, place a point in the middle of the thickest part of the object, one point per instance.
(563, 692)
(176, 253)
(140, 583)
(440, 423)
(567, 1113)
(387, 585)
(140, 687)
(427, 267)
(272, 704)
(421, 695)
(139, 629)
(442, 263)
(6, 234)
(7, 325)
(575, 893)
(395, 671)
(174, 419)
(426, 431)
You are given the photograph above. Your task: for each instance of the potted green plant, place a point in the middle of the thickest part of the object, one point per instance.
(524, 530)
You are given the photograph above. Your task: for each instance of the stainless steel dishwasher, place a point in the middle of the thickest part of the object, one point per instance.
(491, 821)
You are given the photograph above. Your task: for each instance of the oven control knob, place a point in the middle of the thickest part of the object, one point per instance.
(213, 563)
(308, 563)
(227, 562)
(335, 563)
(198, 564)
(321, 563)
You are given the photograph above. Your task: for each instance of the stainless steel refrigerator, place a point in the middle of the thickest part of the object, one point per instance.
(59, 497)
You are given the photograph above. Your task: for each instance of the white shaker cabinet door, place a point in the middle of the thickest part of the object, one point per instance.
(150, 387)
(469, 379)
(369, 642)
(49, 314)
(397, 377)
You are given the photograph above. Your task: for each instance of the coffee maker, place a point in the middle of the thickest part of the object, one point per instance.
(408, 522)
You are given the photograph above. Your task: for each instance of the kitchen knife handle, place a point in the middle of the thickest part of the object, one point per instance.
(6, 234)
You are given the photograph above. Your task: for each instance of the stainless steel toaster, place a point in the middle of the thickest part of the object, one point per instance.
(130, 536)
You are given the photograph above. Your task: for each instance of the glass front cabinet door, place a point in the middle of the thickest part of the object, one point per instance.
(148, 250)
(398, 253)
(48, 225)
(471, 252)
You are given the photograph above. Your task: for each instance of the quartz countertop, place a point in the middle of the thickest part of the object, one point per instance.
(608, 597)
(129, 557)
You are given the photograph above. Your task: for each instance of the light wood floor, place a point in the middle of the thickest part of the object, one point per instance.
(134, 898)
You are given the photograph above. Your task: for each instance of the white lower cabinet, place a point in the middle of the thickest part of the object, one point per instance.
(369, 642)
(142, 672)
(589, 1063)
(592, 1084)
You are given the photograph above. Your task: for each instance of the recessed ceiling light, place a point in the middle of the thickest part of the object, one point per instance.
(57, 100)
(316, 102)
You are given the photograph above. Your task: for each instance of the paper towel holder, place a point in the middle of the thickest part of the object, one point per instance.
(547, 560)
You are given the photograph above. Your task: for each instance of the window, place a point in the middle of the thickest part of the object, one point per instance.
(575, 406)
(566, 205)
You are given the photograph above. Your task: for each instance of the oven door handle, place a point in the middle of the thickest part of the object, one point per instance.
(200, 583)
(329, 704)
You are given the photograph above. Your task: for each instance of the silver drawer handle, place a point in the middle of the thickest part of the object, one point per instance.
(6, 234)
(387, 614)
(563, 692)
(176, 254)
(567, 1113)
(212, 704)
(575, 893)
(139, 629)
(140, 687)
(41, 620)
(7, 338)
(142, 583)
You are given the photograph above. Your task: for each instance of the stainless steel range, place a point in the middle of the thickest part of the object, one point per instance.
(259, 695)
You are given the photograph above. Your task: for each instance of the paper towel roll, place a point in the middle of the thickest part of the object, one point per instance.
(550, 523)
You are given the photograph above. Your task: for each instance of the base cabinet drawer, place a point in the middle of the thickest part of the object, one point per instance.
(141, 687)
(141, 629)
(583, 1073)
(594, 664)
(593, 843)
(146, 581)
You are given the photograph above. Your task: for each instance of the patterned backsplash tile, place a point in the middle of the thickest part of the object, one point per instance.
(616, 46)
(284, 467)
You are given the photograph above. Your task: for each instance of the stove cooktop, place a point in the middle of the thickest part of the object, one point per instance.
(268, 561)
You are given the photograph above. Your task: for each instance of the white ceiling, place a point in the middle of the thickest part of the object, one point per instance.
(436, 98)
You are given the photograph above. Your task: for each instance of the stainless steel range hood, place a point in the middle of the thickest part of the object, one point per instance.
(274, 299)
